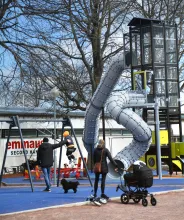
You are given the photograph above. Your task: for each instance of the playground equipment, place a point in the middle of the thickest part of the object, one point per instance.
(155, 66)
(153, 59)
(177, 152)
(15, 122)
(117, 105)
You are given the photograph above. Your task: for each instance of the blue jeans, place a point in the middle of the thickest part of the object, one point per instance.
(46, 172)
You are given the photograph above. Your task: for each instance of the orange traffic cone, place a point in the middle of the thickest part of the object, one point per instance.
(37, 173)
(26, 174)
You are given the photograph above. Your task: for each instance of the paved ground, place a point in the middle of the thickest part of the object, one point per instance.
(169, 207)
(21, 198)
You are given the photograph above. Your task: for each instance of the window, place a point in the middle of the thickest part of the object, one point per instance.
(116, 132)
(126, 133)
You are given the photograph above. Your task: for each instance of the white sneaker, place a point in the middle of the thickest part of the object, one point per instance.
(96, 202)
(102, 200)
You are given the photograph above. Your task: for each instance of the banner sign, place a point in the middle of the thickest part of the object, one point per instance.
(15, 147)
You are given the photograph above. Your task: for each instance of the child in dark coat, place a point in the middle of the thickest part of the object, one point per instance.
(70, 146)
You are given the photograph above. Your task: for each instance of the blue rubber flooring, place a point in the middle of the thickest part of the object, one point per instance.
(21, 198)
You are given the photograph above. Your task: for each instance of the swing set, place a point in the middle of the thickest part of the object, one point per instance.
(14, 121)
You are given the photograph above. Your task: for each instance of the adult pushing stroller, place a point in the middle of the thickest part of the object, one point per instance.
(136, 185)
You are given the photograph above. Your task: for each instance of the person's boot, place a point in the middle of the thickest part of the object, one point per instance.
(47, 190)
(104, 196)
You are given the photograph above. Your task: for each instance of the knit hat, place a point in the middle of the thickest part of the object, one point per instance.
(65, 134)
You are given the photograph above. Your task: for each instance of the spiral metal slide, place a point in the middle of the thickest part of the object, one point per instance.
(118, 105)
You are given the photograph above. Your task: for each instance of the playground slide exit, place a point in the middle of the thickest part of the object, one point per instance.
(116, 103)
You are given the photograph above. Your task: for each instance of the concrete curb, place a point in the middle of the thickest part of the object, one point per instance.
(49, 207)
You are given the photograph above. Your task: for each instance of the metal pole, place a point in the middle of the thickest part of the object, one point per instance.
(157, 132)
(55, 153)
(84, 163)
(60, 156)
(5, 154)
(103, 123)
(24, 151)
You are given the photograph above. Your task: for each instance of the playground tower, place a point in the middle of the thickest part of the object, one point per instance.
(154, 67)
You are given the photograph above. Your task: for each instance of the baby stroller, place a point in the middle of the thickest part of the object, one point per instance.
(136, 185)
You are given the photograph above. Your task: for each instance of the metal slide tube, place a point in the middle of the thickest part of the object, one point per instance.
(104, 89)
(129, 119)
(134, 123)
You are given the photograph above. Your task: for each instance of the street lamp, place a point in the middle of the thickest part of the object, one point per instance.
(55, 93)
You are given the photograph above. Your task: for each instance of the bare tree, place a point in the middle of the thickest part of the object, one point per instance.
(19, 21)
(81, 35)
(68, 44)
(90, 32)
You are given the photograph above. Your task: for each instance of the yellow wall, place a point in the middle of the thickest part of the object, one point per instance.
(177, 149)
(163, 137)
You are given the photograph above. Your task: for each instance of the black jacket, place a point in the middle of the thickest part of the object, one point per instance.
(45, 153)
(106, 154)
(70, 141)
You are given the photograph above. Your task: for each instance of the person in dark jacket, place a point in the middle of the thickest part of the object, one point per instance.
(70, 146)
(45, 159)
(102, 152)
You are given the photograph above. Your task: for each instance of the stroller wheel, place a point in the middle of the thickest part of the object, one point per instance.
(136, 200)
(144, 202)
(125, 198)
(153, 201)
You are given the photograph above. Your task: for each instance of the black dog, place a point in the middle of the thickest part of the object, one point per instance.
(69, 185)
